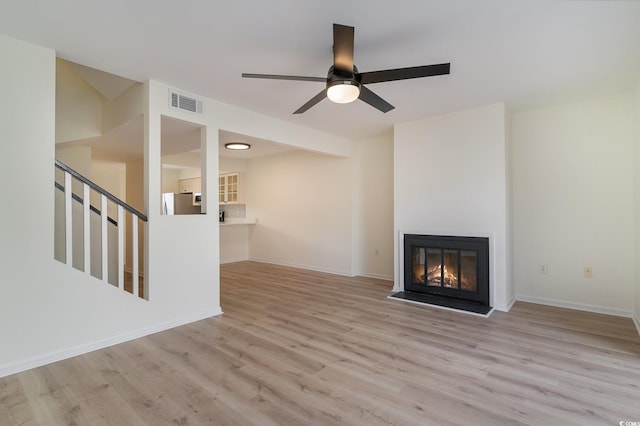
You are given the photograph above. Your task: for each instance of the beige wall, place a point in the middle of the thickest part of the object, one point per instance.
(303, 202)
(373, 207)
(127, 106)
(573, 204)
(170, 179)
(76, 157)
(79, 111)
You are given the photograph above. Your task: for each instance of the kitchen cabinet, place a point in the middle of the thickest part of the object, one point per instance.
(230, 189)
(190, 185)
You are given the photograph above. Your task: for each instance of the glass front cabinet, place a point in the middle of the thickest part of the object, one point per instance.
(229, 188)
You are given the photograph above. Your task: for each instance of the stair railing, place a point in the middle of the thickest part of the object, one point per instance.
(87, 186)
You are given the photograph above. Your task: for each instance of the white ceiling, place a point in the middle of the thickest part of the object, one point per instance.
(259, 147)
(180, 141)
(527, 53)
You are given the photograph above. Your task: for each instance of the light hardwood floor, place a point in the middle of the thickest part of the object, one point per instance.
(296, 347)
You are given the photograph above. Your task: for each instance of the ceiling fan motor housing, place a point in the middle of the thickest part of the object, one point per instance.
(343, 87)
(337, 75)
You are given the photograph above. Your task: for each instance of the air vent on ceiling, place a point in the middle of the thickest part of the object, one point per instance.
(183, 102)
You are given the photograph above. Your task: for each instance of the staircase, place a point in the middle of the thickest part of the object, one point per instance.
(87, 239)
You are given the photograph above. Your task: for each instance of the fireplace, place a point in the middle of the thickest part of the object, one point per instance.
(449, 271)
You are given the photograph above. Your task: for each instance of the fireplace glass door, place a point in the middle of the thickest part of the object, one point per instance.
(450, 266)
(445, 268)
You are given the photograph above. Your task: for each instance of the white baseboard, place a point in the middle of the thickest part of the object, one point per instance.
(376, 276)
(636, 321)
(320, 269)
(578, 306)
(505, 308)
(301, 266)
(232, 260)
(40, 360)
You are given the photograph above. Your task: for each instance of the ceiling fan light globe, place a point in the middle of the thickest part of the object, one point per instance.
(343, 92)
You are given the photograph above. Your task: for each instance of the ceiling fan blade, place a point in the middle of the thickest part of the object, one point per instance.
(317, 98)
(404, 73)
(285, 77)
(343, 49)
(374, 100)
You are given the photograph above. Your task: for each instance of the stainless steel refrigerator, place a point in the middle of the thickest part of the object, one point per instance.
(179, 204)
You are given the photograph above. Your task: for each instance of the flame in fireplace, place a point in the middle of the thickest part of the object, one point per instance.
(436, 274)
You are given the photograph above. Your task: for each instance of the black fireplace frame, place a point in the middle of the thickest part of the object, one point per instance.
(480, 245)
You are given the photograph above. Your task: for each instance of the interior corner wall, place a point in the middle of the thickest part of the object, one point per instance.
(509, 276)
(79, 109)
(636, 316)
(124, 108)
(573, 205)
(373, 207)
(303, 202)
(450, 178)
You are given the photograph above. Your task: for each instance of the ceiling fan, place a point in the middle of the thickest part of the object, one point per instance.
(344, 83)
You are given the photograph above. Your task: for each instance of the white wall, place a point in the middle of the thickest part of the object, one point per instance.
(303, 202)
(573, 182)
(234, 242)
(232, 165)
(637, 206)
(41, 317)
(373, 207)
(27, 77)
(450, 178)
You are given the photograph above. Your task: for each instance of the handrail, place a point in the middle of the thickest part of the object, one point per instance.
(96, 187)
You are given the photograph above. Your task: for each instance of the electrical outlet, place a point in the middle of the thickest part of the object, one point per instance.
(588, 273)
(543, 268)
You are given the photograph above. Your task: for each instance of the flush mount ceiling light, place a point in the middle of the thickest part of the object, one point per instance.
(237, 146)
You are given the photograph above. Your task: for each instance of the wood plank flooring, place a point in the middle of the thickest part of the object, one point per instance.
(296, 347)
